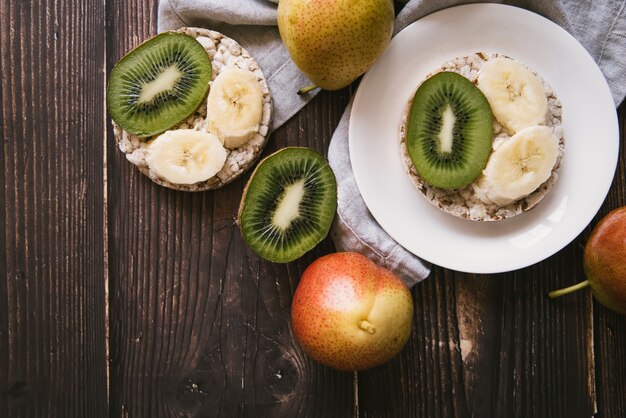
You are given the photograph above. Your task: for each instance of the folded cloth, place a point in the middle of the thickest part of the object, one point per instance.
(599, 25)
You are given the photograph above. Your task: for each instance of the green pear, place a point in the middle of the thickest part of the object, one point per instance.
(604, 262)
(334, 41)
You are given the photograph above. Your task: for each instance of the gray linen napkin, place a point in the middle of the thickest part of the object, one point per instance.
(599, 25)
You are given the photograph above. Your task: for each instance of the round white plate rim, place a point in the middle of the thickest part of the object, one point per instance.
(528, 238)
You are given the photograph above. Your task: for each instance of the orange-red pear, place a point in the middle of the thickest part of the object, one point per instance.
(604, 262)
(350, 313)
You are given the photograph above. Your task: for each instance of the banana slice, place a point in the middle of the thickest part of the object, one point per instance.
(185, 156)
(234, 107)
(516, 96)
(519, 166)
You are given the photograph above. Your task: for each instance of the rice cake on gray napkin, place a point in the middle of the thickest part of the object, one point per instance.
(224, 52)
(464, 202)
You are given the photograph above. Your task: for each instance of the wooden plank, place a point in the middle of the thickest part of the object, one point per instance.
(419, 382)
(610, 341)
(491, 345)
(610, 328)
(52, 298)
(199, 325)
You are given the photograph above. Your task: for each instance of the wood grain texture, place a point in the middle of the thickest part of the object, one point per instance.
(486, 346)
(200, 325)
(52, 298)
(610, 328)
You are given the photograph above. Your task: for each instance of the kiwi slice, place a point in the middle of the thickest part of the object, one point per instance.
(450, 131)
(288, 205)
(159, 84)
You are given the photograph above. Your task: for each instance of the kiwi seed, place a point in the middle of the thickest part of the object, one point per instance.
(450, 131)
(288, 205)
(159, 84)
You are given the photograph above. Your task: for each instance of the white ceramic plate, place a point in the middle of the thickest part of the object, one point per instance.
(589, 122)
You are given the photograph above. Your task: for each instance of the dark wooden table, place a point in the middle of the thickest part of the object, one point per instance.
(123, 298)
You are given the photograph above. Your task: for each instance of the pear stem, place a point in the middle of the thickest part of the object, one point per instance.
(565, 291)
(367, 326)
(306, 89)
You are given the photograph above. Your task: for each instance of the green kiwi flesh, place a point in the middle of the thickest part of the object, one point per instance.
(288, 206)
(159, 84)
(450, 131)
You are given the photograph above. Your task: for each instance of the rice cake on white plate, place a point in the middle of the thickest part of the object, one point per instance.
(224, 53)
(464, 202)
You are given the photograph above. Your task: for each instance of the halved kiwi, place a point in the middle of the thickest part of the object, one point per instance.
(158, 84)
(450, 131)
(288, 205)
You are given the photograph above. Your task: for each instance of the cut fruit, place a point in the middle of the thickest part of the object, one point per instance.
(288, 205)
(185, 156)
(515, 94)
(450, 131)
(159, 84)
(519, 166)
(235, 107)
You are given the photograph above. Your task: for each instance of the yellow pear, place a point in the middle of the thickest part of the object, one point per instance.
(334, 41)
